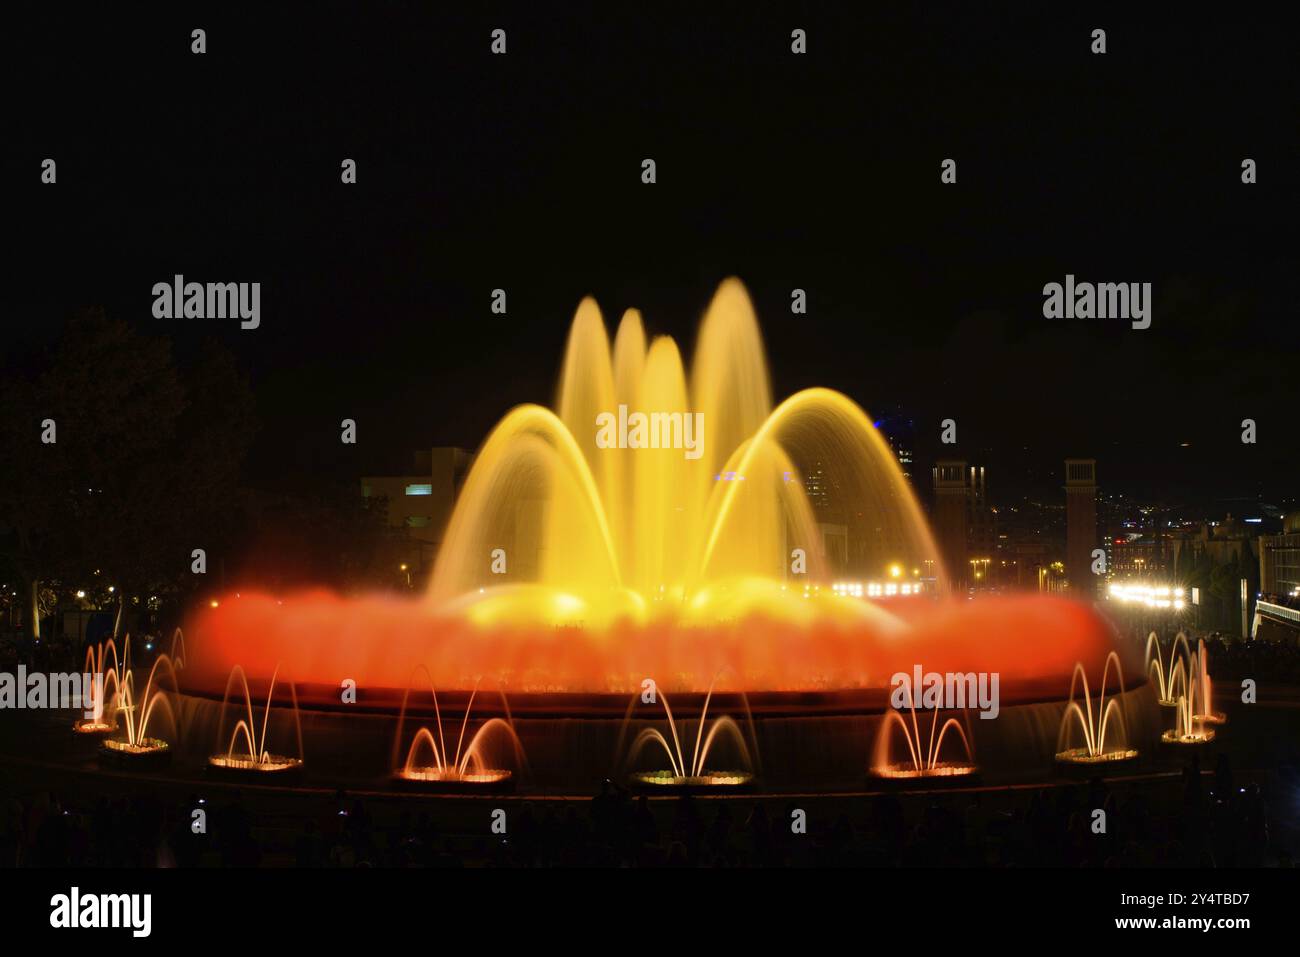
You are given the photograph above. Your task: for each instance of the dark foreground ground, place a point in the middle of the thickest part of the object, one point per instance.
(53, 815)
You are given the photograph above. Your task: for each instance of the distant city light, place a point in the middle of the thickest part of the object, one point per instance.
(876, 589)
(81, 594)
(1152, 596)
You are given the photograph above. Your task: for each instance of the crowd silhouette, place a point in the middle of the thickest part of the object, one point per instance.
(1204, 820)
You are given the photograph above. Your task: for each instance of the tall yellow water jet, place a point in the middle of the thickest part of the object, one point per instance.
(705, 513)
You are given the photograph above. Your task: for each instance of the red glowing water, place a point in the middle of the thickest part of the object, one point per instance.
(317, 638)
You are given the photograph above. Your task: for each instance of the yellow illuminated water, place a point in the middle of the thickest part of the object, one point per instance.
(593, 536)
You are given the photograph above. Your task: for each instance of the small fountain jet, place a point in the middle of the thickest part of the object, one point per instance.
(257, 758)
(921, 765)
(695, 773)
(1094, 750)
(138, 710)
(468, 766)
(1165, 673)
(1190, 723)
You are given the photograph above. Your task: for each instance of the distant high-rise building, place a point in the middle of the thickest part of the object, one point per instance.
(817, 486)
(421, 500)
(899, 431)
(951, 517)
(1279, 560)
(965, 523)
(982, 537)
(1081, 525)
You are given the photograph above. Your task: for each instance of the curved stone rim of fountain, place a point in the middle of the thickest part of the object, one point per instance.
(90, 728)
(1082, 757)
(433, 779)
(1194, 739)
(149, 753)
(1213, 717)
(706, 781)
(942, 771)
(237, 766)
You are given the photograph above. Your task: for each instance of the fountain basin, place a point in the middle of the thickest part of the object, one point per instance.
(706, 781)
(942, 771)
(92, 728)
(573, 742)
(445, 780)
(1189, 739)
(269, 766)
(144, 755)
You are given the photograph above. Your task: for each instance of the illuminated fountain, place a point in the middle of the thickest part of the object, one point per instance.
(1207, 715)
(256, 759)
(177, 652)
(468, 767)
(139, 748)
(103, 675)
(1165, 675)
(696, 773)
(925, 763)
(1094, 749)
(658, 521)
(1189, 728)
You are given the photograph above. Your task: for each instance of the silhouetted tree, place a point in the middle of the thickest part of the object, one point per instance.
(144, 468)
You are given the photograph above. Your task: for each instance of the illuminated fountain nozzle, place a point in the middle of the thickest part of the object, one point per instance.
(940, 769)
(1094, 750)
(266, 763)
(924, 760)
(429, 764)
(254, 758)
(433, 774)
(1086, 756)
(142, 754)
(705, 779)
(115, 700)
(692, 775)
(142, 746)
(1174, 736)
(93, 726)
(1190, 726)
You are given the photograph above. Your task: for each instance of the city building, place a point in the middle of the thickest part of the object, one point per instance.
(420, 501)
(899, 431)
(1277, 611)
(1081, 525)
(1279, 560)
(950, 518)
(1138, 555)
(965, 523)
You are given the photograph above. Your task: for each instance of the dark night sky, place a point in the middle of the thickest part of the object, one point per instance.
(819, 172)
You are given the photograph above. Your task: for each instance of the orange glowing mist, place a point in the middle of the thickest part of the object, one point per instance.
(324, 639)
